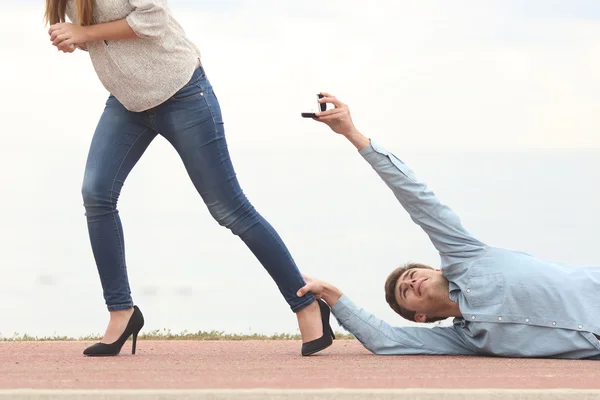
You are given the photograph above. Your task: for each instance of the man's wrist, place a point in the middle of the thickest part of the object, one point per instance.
(331, 294)
(351, 133)
(357, 139)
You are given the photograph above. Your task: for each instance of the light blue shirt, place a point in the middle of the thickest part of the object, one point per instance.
(512, 304)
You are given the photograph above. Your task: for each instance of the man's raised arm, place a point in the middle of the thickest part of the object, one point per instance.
(440, 223)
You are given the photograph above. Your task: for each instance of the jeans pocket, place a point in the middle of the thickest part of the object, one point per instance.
(191, 90)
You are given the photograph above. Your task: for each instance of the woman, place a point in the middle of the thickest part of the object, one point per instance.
(158, 86)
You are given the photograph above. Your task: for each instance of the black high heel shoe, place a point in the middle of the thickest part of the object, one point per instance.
(135, 324)
(324, 341)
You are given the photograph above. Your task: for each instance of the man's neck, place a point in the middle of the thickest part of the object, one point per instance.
(449, 309)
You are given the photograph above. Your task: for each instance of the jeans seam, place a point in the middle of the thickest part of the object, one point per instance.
(212, 115)
(114, 218)
(308, 302)
(280, 242)
(120, 306)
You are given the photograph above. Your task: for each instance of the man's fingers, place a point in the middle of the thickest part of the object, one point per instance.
(333, 111)
(303, 290)
(339, 114)
(331, 118)
(330, 99)
(327, 94)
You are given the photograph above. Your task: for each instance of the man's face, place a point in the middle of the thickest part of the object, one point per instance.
(422, 290)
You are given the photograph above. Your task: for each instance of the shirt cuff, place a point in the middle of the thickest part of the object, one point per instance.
(374, 153)
(378, 156)
(343, 309)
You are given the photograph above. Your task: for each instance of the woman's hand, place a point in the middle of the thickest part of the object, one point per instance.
(67, 33)
(66, 48)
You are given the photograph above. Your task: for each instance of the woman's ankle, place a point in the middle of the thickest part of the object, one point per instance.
(120, 314)
(309, 322)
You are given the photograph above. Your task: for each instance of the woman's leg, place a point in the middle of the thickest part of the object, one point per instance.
(119, 141)
(192, 122)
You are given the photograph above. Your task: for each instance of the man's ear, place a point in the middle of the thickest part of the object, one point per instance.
(420, 317)
(439, 271)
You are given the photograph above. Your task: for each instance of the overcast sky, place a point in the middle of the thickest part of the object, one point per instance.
(465, 74)
(420, 77)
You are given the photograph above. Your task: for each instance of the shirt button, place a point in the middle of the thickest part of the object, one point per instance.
(472, 317)
(499, 318)
(468, 290)
(201, 93)
(526, 319)
(580, 327)
(553, 323)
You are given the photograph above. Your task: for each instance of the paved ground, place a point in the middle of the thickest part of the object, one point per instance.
(276, 365)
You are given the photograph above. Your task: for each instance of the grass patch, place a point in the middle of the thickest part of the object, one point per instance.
(166, 334)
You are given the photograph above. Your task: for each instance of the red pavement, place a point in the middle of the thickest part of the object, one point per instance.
(273, 364)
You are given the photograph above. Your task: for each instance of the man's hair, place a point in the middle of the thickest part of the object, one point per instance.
(390, 292)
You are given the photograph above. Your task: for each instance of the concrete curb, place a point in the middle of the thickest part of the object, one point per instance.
(310, 394)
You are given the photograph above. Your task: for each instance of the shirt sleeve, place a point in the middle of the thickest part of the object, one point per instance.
(380, 338)
(438, 221)
(149, 17)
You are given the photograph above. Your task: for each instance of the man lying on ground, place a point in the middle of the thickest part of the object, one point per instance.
(504, 302)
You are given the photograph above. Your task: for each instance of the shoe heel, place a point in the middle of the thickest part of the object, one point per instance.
(134, 342)
(326, 339)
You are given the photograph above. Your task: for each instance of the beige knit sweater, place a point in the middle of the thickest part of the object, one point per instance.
(146, 71)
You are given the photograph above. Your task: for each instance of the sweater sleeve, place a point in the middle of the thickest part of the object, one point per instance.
(149, 18)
